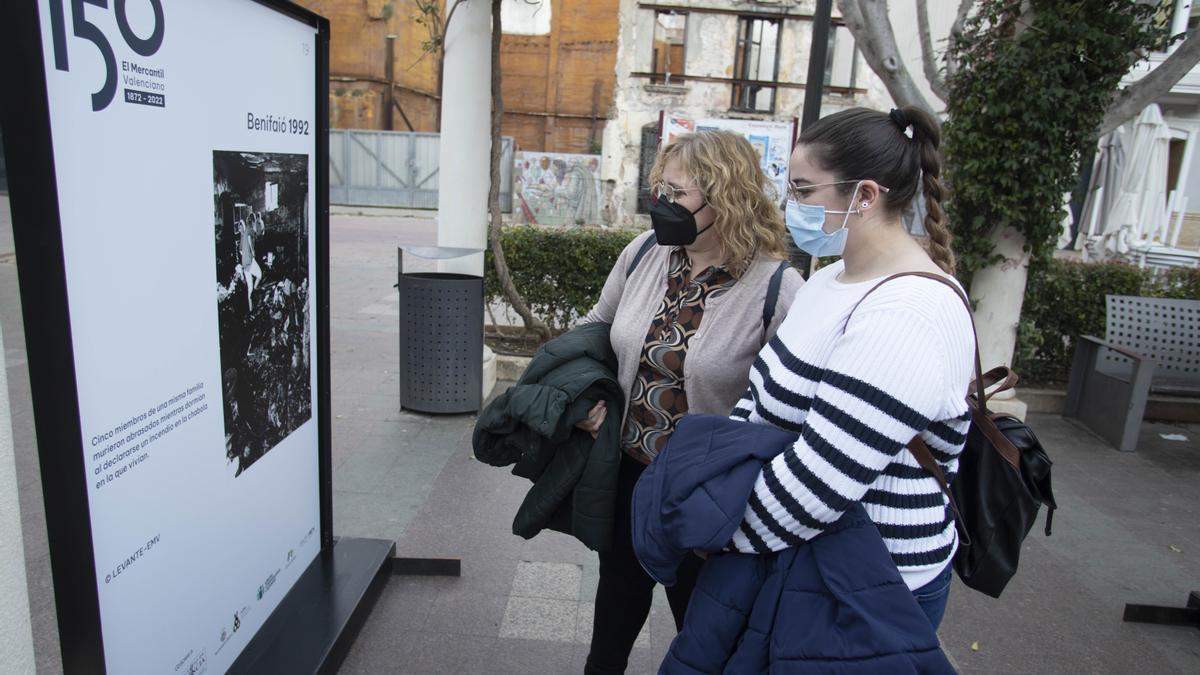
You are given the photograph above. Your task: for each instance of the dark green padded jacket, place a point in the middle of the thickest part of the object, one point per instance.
(532, 425)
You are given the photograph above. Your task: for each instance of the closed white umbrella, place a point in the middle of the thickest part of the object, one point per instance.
(1104, 186)
(1140, 208)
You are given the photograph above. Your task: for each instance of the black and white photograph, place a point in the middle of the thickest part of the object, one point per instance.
(261, 207)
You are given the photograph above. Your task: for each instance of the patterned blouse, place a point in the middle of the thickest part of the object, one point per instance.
(658, 401)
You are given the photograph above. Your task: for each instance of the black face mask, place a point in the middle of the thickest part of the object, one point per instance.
(674, 224)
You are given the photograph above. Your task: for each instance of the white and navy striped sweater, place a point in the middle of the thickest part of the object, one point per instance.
(902, 367)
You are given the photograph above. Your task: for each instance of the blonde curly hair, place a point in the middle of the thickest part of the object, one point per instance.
(726, 169)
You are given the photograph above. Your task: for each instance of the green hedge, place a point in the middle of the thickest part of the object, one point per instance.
(1066, 299)
(559, 271)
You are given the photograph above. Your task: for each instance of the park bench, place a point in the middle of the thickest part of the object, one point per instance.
(1151, 346)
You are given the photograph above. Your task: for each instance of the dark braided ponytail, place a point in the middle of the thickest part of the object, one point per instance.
(928, 138)
(898, 150)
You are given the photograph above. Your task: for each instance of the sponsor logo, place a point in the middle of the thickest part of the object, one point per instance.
(199, 665)
(266, 585)
(143, 45)
(196, 663)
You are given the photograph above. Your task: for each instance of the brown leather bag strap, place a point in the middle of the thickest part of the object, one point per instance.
(1000, 377)
(925, 458)
(979, 379)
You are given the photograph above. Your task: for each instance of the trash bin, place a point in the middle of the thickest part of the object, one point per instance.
(441, 335)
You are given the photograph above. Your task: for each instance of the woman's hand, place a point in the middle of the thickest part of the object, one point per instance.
(594, 419)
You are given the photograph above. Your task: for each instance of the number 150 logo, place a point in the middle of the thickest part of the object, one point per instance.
(86, 30)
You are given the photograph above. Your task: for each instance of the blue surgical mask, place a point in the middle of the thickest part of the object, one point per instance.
(806, 223)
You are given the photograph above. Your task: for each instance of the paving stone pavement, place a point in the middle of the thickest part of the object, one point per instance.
(1128, 529)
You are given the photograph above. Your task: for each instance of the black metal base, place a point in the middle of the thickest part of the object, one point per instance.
(312, 629)
(1169, 616)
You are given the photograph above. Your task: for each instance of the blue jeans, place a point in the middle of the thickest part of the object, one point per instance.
(933, 596)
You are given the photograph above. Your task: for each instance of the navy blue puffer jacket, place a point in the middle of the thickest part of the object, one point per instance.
(834, 605)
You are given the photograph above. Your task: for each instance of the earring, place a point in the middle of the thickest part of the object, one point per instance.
(866, 204)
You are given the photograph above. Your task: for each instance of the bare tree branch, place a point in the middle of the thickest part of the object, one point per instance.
(956, 30)
(511, 294)
(1130, 101)
(927, 56)
(872, 30)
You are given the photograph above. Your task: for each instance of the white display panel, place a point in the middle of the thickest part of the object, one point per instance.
(184, 143)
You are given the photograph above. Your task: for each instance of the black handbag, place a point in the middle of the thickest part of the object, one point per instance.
(1003, 478)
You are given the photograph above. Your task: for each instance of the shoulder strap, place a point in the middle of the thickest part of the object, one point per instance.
(979, 381)
(637, 258)
(772, 298)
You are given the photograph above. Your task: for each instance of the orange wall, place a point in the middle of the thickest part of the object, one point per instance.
(558, 80)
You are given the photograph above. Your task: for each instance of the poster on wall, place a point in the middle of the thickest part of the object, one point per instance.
(184, 138)
(772, 141)
(552, 188)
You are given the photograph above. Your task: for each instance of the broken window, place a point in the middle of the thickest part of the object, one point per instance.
(521, 17)
(841, 61)
(756, 60)
(830, 56)
(670, 31)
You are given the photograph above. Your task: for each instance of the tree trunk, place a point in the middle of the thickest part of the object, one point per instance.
(510, 291)
(930, 60)
(998, 292)
(441, 72)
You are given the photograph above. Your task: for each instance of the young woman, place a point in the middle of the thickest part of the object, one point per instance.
(859, 381)
(687, 321)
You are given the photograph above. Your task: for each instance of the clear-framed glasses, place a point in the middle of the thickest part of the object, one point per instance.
(798, 192)
(664, 190)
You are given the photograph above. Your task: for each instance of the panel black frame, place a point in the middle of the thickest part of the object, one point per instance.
(37, 233)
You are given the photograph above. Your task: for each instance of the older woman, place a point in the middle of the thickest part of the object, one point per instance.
(691, 304)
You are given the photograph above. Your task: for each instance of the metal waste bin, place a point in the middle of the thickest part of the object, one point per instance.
(441, 335)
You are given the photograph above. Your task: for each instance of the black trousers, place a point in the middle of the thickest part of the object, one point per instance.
(625, 591)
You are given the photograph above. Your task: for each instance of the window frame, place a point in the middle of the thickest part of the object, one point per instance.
(657, 77)
(743, 85)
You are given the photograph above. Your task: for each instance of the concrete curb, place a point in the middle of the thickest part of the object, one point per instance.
(510, 367)
(489, 372)
(1164, 408)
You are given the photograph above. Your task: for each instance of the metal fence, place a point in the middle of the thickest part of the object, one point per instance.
(396, 168)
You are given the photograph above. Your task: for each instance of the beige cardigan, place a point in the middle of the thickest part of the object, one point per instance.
(717, 369)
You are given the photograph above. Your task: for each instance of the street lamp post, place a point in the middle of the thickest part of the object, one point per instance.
(814, 89)
(818, 53)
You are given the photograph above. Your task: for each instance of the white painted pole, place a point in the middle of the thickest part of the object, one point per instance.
(1181, 182)
(463, 156)
(1164, 233)
(16, 650)
(1179, 21)
(1179, 213)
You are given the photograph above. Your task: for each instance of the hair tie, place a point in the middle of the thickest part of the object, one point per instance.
(900, 119)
